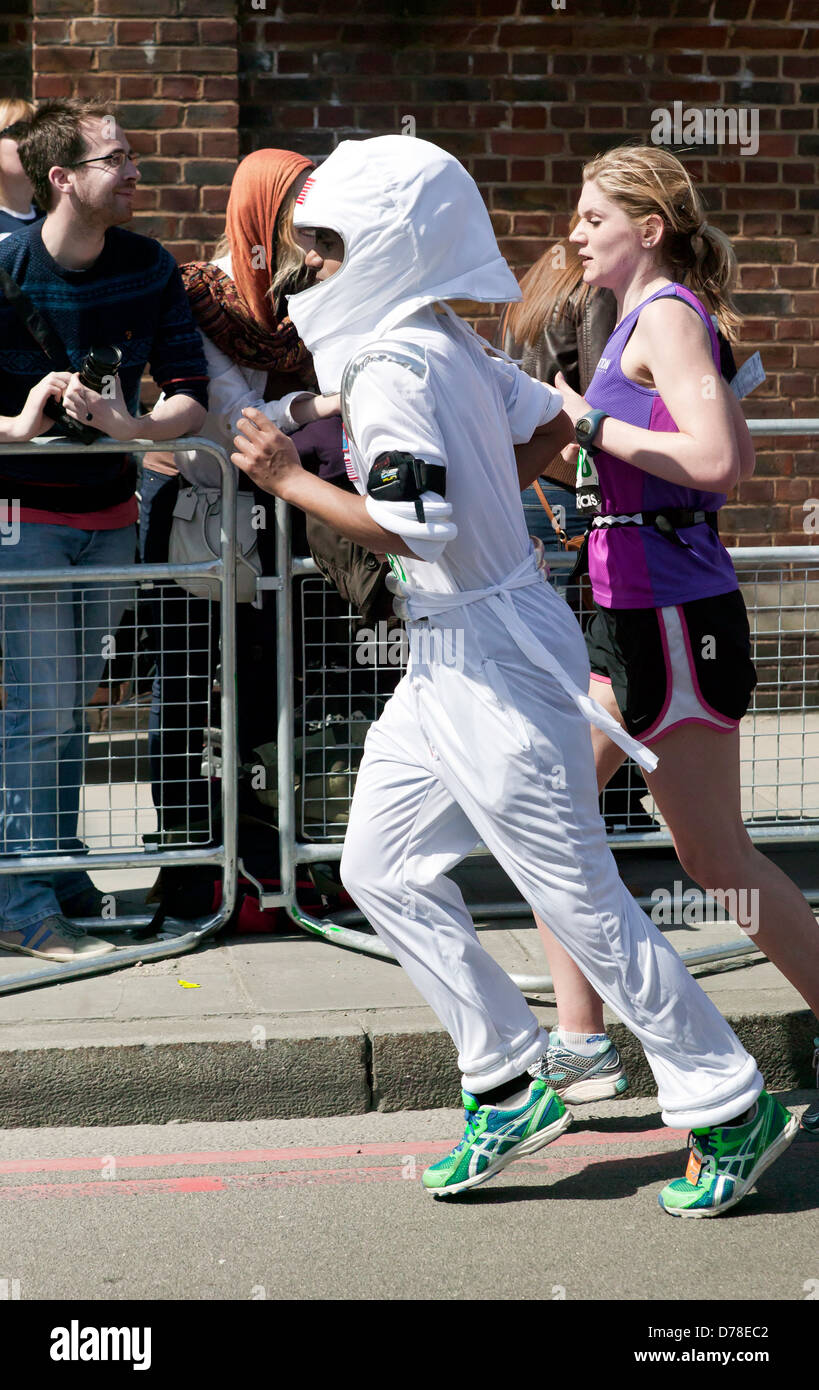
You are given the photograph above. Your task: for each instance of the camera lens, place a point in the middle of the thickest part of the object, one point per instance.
(98, 364)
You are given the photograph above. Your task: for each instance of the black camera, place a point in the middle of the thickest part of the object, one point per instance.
(98, 368)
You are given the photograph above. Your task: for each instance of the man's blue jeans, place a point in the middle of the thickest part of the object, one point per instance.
(54, 651)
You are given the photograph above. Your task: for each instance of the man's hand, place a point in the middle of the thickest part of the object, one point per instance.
(32, 419)
(107, 413)
(268, 457)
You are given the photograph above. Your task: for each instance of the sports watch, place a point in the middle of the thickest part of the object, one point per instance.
(587, 426)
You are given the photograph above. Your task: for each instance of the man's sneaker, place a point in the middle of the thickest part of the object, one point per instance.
(55, 939)
(726, 1160)
(577, 1079)
(810, 1119)
(495, 1137)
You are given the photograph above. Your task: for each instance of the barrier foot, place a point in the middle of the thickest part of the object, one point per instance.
(183, 940)
(339, 934)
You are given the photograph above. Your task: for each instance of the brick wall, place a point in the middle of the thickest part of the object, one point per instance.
(523, 94)
(15, 48)
(170, 67)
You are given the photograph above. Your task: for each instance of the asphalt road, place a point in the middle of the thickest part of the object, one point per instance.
(333, 1208)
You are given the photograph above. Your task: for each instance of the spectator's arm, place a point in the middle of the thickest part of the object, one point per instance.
(231, 389)
(177, 359)
(171, 418)
(32, 419)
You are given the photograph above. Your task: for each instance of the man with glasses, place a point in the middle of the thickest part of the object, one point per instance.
(96, 285)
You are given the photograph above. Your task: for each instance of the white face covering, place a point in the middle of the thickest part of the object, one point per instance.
(415, 230)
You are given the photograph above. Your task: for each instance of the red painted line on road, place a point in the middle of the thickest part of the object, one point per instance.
(551, 1162)
(125, 1187)
(230, 1156)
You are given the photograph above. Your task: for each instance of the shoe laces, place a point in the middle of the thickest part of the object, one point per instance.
(62, 927)
(471, 1117)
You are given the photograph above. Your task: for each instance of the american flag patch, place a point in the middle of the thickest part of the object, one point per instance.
(308, 183)
(349, 466)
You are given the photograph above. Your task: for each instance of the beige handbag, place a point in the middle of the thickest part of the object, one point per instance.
(195, 540)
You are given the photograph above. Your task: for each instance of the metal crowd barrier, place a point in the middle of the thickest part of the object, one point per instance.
(313, 785)
(779, 738)
(134, 845)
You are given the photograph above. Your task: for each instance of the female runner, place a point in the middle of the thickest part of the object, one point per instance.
(669, 644)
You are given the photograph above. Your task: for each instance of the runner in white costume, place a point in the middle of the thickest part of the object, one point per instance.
(487, 735)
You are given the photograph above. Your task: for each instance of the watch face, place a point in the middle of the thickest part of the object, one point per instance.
(583, 428)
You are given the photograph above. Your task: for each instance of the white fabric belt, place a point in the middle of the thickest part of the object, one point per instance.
(413, 605)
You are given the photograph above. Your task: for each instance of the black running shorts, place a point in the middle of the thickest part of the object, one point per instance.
(673, 666)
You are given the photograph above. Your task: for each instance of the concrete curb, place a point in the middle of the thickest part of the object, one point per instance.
(257, 1068)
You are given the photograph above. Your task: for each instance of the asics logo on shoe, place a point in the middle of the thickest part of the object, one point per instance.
(497, 1141)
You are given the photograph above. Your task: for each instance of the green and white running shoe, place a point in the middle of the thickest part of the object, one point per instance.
(726, 1160)
(495, 1137)
(578, 1079)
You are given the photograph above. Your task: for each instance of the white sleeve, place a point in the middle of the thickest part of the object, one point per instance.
(392, 409)
(528, 402)
(233, 387)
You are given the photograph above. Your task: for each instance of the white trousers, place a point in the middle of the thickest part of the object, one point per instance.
(475, 745)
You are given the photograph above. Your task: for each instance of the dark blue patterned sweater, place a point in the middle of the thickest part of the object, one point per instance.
(132, 298)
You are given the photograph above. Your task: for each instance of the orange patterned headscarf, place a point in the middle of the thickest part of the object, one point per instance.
(256, 194)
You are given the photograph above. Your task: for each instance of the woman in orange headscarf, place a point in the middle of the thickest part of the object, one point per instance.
(255, 358)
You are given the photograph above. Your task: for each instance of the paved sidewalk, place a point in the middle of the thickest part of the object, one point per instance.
(288, 1026)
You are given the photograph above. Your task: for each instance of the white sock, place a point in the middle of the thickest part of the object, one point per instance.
(584, 1044)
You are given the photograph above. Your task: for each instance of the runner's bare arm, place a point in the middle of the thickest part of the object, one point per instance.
(534, 457)
(670, 344)
(271, 460)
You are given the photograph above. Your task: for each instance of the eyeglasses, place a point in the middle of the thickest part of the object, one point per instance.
(113, 161)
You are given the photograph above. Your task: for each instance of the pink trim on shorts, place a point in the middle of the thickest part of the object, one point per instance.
(695, 682)
(647, 737)
(690, 719)
(644, 737)
(606, 680)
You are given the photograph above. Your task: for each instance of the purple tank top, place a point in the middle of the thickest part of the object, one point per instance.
(635, 566)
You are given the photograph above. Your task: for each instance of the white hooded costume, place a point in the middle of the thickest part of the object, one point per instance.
(486, 737)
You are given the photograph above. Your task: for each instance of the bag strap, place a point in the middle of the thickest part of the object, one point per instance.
(576, 542)
(32, 319)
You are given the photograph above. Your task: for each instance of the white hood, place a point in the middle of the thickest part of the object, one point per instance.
(415, 230)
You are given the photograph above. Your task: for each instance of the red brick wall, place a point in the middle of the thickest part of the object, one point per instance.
(15, 48)
(523, 94)
(170, 68)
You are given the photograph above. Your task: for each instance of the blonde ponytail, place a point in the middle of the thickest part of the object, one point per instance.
(712, 275)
